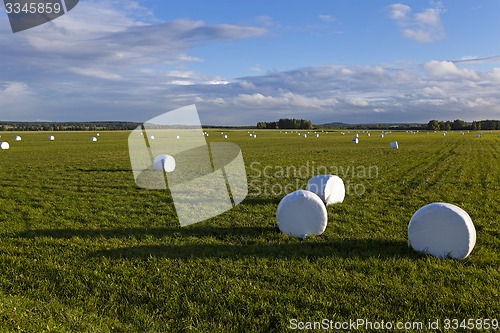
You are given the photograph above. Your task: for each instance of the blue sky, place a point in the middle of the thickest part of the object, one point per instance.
(241, 62)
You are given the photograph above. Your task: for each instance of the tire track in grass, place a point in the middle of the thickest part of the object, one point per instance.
(414, 178)
(393, 196)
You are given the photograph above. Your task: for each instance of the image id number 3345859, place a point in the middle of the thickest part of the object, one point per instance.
(33, 8)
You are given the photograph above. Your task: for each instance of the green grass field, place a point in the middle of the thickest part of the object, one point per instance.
(82, 249)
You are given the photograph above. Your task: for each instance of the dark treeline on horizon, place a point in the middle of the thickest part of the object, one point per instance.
(284, 123)
(67, 126)
(463, 125)
(433, 125)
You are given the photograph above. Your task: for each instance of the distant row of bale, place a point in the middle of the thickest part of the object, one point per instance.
(355, 139)
(5, 145)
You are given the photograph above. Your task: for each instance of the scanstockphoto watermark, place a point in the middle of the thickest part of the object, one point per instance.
(278, 180)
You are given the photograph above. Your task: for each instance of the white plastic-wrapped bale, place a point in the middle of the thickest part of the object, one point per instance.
(368, 134)
(225, 136)
(17, 138)
(98, 135)
(93, 139)
(442, 230)
(301, 213)
(356, 135)
(444, 134)
(152, 137)
(316, 135)
(4, 145)
(478, 135)
(355, 140)
(329, 188)
(255, 136)
(382, 135)
(51, 138)
(164, 162)
(305, 136)
(394, 145)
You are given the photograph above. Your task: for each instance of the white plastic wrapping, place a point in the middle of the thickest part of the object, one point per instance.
(442, 230)
(301, 213)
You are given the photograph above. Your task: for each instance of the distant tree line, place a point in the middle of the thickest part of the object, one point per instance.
(433, 125)
(286, 123)
(458, 124)
(70, 126)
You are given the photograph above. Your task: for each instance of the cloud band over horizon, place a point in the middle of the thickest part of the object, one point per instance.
(106, 62)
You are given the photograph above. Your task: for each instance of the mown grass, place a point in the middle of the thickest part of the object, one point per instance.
(82, 249)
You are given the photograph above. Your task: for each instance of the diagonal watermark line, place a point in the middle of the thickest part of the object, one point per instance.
(63, 3)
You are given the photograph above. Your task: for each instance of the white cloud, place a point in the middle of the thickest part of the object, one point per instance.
(327, 18)
(423, 27)
(421, 36)
(358, 102)
(399, 11)
(429, 17)
(11, 89)
(257, 68)
(447, 68)
(94, 72)
(495, 74)
(283, 99)
(17, 99)
(246, 85)
(433, 91)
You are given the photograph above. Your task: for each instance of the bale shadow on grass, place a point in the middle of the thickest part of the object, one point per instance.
(260, 201)
(103, 170)
(230, 243)
(352, 248)
(199, 232)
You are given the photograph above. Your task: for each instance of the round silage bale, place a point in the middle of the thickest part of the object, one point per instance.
(51, 138)
(329, 188)
(442, 230)
(4, 145)
(301, 213)
(164, 162)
